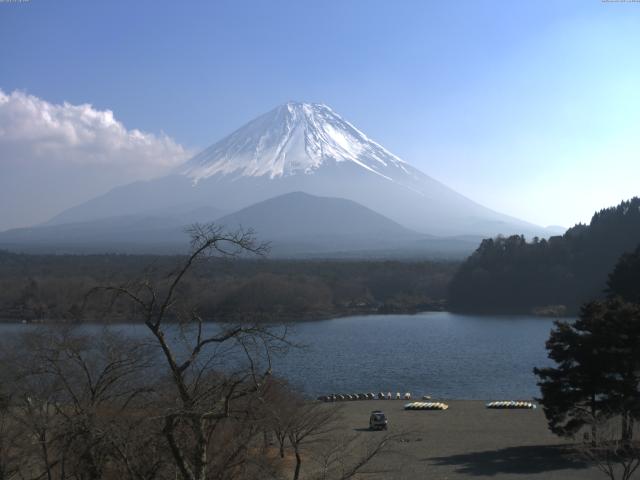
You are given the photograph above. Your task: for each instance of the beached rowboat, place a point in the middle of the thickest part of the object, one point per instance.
(426, 406)
(511, 404)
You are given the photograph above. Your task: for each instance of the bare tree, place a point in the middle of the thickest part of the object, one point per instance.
(215, 370)
(10, 435)
(616, 456)
(72, 393)
(25, 428)
(138, 449)
(276, 412)
(308, 422)
(341, 457)
(313, 430)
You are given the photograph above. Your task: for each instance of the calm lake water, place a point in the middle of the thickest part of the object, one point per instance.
(441, 354)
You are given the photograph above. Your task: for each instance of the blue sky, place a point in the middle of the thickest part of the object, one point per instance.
(529, 107)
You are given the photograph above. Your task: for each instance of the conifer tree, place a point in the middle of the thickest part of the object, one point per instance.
(624, 281)
(598, 369)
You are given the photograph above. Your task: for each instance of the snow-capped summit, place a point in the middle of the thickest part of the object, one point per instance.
(291, 139)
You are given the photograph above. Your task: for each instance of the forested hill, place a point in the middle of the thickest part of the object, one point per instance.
(511, 275)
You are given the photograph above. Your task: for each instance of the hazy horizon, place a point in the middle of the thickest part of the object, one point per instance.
(529, 109)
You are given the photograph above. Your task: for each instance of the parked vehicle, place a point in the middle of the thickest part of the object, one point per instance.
(378, 420)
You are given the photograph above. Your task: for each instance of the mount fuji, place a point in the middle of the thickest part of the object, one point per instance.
(295, 148)
(304, 147)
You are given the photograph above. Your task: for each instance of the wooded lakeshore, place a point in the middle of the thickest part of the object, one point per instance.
(50, 288)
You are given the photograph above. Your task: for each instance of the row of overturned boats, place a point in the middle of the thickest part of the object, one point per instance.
(341, 397)
(426, 404)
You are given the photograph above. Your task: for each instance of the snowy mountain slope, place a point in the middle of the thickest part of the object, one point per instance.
(307, 148)
(295, 138)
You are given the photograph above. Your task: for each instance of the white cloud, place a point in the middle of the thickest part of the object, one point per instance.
(55, 156)
(33, 130)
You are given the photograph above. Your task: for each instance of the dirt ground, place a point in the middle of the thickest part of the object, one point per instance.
(465, 441)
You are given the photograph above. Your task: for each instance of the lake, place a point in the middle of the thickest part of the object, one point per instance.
(437, 353)
(441, 354)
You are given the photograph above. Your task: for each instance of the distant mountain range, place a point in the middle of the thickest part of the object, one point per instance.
(359, 197)
(295, 224)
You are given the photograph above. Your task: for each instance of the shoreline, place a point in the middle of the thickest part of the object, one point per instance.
(293, 318)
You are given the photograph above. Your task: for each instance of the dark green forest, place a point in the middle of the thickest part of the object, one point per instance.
(554, 276)
(53, 287)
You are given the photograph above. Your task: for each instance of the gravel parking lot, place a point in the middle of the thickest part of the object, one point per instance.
(466, 441)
